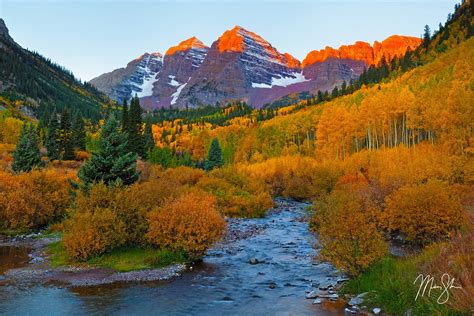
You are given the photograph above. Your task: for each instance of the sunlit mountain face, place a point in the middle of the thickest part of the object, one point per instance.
(241, 65)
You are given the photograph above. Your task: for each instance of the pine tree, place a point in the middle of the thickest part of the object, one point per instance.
(124, 116)
(343, 87)
(67, 142)
(27, 154)
(135, 128)
(52, 141)
(426, 36)
(320, 97)
(148, 136)
(214, 156)
(112, 163)
(79, 133)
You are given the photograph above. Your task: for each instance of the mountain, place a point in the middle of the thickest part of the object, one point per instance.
(179, 65)
(136, 78)
(327, 67)
(241, 65)
(38, 86)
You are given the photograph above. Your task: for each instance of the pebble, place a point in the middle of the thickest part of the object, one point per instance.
(376, 311)
(318, 301)
(254, 261)
(341, 280)
(312, 294)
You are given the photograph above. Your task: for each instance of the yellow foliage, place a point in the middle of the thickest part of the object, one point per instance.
(32, 200)
(354, 245)
(294, 176)
(425, 212)
(91, 233)
(237, 195)
(190, 223)
(10, 129)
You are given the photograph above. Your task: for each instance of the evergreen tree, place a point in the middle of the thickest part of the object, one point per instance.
(320, 96)
(124, 116)
(112, 163)
(67, 142)
(335, 92)
(383, 70)
(135, 128)
(52, 141)
(148, 136)
(27, 154)
(79, 133)
(426, 36)
(214, 156)
(343, 87)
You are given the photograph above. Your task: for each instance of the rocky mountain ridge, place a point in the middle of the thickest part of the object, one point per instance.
(241, 65)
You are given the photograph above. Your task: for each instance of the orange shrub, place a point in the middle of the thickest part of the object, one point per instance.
(354, 245)
(390, 169)
(89, 234)
(190, 223)
(82, 155)
(125, 207)
(32, 200)
(129, 205)
(294, 176)
(237, 196)
(423, 212)
(184, 175)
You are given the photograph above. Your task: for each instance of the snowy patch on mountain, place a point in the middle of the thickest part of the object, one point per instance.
(147, 87)
(145, 75)
(173, 82)
(282, 81)
(175, 95)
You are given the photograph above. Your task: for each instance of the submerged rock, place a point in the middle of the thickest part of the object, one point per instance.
(312, 294)
(254, 261)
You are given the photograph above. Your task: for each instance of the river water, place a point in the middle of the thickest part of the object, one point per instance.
(225, 283)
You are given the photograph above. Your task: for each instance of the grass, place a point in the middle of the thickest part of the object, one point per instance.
(121, 259)
(390, 286)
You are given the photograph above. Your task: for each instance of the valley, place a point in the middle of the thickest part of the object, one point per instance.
(236, 179)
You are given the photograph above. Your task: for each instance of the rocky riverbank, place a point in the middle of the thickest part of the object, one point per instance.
(37, 268)
(263, 266)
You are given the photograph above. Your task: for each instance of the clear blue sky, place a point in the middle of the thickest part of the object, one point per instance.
(92, 37)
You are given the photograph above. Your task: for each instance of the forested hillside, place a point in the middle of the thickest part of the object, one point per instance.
(39, 86)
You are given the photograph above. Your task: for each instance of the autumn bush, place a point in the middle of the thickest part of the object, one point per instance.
(237, 195)
(184, 175)
(295, 176)
(128, 205)
(6, 158)
(32, 200)
(349, 237)
(126, 208)
(424, 212)
(91, 233)
(391, 168)
(189, 223)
